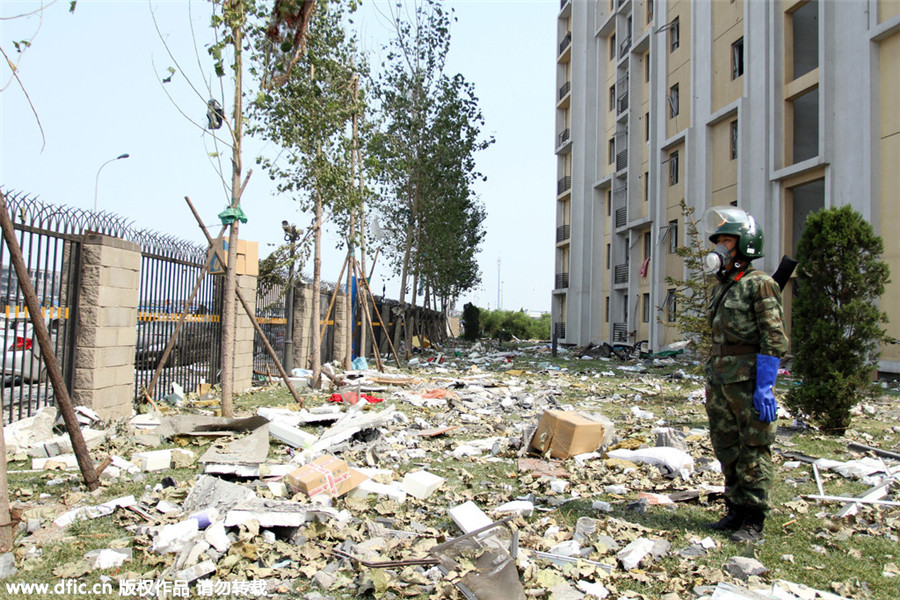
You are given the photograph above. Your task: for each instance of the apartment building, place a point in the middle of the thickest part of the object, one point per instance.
(781, 107)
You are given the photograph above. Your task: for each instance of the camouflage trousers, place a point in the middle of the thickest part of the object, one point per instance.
(742, 444)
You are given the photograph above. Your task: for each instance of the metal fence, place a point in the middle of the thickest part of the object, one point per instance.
(270, 314)
(50, 237)
(169, 271)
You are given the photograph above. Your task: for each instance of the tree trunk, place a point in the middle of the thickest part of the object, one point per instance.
(316, 350)
(347, 359)
(228, 304)
(404, 276)
(6, 531)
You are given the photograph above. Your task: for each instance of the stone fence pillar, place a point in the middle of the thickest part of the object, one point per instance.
(341, 319)
(106, 325)
(243, 335)
(302, 315)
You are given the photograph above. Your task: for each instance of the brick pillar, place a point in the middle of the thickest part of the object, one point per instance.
(106, 331)
(302, 325)
(340, 316)
(243, 335)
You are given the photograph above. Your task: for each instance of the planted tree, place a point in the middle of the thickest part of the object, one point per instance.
(692, 294)
(471, 322)
(307, 117)
(837, 323)
(424, 156)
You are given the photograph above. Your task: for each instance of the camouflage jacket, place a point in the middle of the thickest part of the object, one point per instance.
(745, 316)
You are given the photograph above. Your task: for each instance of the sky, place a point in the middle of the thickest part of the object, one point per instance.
(94, 78)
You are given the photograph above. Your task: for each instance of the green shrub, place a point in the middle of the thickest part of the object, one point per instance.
(837, 325)
(471, 318)
(510, 323)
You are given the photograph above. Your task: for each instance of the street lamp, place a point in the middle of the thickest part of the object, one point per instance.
(97, 179)
(291, 234)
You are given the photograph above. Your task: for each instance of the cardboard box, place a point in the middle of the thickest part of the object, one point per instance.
(566, 433)
(247, 258)
(325, 475)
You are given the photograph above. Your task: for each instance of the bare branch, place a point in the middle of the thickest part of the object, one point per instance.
(30, 103)
(178, 108)
(38, 10)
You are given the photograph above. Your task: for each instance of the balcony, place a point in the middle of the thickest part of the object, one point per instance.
(565, 89)
(566, 42)
(621, 273)
(559, 330)
(621, 160)
(563, 185)
(563, 137)
(620, 332)
(622, 103)
(563, 233)
(621, 218)
(562, 281)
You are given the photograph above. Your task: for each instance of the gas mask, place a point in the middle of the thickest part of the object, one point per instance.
(715, 261)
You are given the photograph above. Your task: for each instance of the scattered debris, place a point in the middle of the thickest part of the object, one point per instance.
(359, 494)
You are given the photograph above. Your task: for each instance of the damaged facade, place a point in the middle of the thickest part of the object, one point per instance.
(781, 108)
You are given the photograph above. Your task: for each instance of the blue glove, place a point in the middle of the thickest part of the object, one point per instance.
(764, 393)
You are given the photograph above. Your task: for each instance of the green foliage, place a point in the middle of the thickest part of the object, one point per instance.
(307, 118)
(422, 156)
(692, 295)
(837, 324)
(471, 322)
(508, 323)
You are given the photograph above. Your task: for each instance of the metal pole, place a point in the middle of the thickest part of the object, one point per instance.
(290, 235)
(289, 330)
(53, 371)
(97, 178)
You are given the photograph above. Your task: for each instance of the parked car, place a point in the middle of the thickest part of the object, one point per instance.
(193, 344)
(22, 353)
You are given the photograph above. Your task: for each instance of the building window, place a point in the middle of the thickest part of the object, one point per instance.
(612, 150)
(673, 168)
(608, 203)
(734, 139)
(737, 59)
(612, 47)
(608, 254)
(646, 245)
(673, 236)
(647, 67)
(647, 127)
(673, 101)
(612, 97)
(646, 311)
(670, 305)
(606, 309)
(674, 35)
(649, 11)
(646, 186)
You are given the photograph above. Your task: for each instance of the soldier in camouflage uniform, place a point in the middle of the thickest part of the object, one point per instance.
(748, 339)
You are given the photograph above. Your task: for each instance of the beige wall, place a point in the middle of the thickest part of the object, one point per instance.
(888, 9)
(889, 53)
(728, 27)
(724, 168)
(679, 67)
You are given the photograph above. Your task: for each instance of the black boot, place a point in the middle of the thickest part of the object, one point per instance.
(734, 517)
(752, 527)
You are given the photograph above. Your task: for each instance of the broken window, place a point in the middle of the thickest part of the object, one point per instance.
(737, 59)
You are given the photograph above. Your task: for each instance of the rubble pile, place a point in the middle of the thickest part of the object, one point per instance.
(472, 473)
